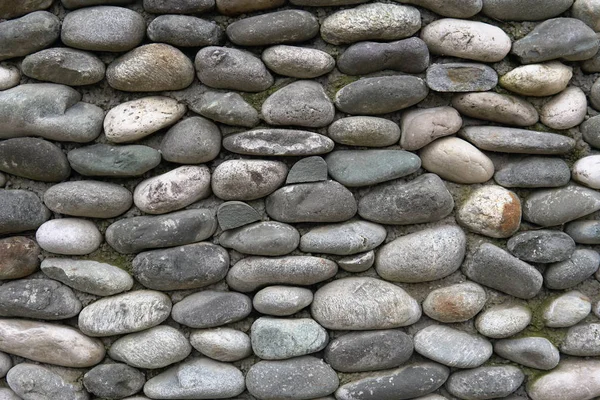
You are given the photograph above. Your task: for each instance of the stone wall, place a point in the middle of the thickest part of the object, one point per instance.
(320, 199)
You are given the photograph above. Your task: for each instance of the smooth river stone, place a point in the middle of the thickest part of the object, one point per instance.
(10, 76)
(503, 320)
(538, 79)
(364, 131)
(252, 273)
(282, 301)
(533, 172)
(452, 347)
(573, 379)
(28, 34)
(343, 239)
(6, 364)
(234, 214)
(363, 304)
(88, 276)
(199, 378)
(268, 238)
(235, 7)
(283, 338)
(327, 201)
(496, 268)
(566, 310)
(424, 199)
(113, 380)
(178, 6)
(287, 26)
(132, 235)
(113, 161)
(9, 394)
(427, 255)
(20, 211)
(299, 378)
(581, 340)
(353, 168)
(524, 10)
(513, 140)
(461, 77)
(226, 107)
(194, 140)
(63, 65)
(125, 313)
(34, 158)
(173, 190)
(572, 271)
(184, 31)
(541, 246)
(381, 95)
(584, 232)
(222, 344)
(485, 382)
(587, 171)
(94, 199)
(278, 142)
(153, 348)
(496, 107)
(185, 267)
(211, 308)
(69, 236)
(247, 179)
(422, 126)
(31, 381)
(49, 343)
(18, 257)
(591, 131)
(403, 383)
(552, 207)
(298, 62)
(12, 9)
(139, 118)
(566, 110)
(534, 352)
(455, 303)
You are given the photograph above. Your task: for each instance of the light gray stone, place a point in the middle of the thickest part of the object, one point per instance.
(113, 161)
(8, 394)
(364, 131)
(452, 8)
(10, 76)
(551, 207)
(283, 338)
(268, 238)
(234, 214)
(19, 257)
(298, 62)
(503, 320)
(63, 65)
(282, 300)
(211, 308)
(69, 236)
(31, 381)
(461, 77)
(485, 382)
(227, 108)
(541, 246)
(92, 199)
(534, 352)
(113, 380)
(455, 303)
(247, 179)
(585, 171)
(194, 140)
(184, 31)
(566, 310)
(584, 232)
(496, 107)
(581, 340)
(287, 26)
(222, 344)
(573, 379)
(278, 142)
(307, 170)
(533, 172)
(358, 262)
(422, 126)
(588, 12)
(5, 364)
(34, 158)
(528, 10)
(343, 239)
(20, 211)
(538, 79)
(28, 34)
(566, 110)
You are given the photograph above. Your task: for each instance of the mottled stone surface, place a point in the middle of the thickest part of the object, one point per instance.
(534, 352)
(485, 382)
(113, 380)
(288, 26)
(343, 239)
(211, 308)
(282, 338)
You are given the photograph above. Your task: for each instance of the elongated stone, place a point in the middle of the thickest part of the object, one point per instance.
(538, 79)
(113, 161)
(573, 379)
(566, 310)
(343, 239)
(566, 274)
(222, 344)
(282, 300)
(63, 65)
(496, 107)
(268, 238)
(288, 26)
(247, 179)
(211, 308)
(178, 6)
(364, 131)
(278, 142)
(528, 10)
(34, 158)
(298, 62)
(461, 77)
(12, 9)
(93, 199)
(30, 381)
(235, 7)
(542, 246)
(184, 31)
(485, 382)
(452, 8)
(557, 206)
(584, 232)
(533, 172)
(534, 352)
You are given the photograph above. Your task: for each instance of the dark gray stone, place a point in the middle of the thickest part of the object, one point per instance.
(584, 232)
(35, 159)
(131, 235)
(534, 352)
(485, 382)
(178, 6)
(18, 257)
(288, 26)
(369, 351)
(453, 8)
(113, 381)
(73, 4)
(591, 131)
(184, 267)
(210, 308)
(308, 169)
(184, 31)
(31, 381)
(491, 266)
(552, 207)
(582, 340)
(278, 142)
(364, 131)
(326, 201)
(20, 211)
(461, 77)
(424, 199)
(380, 95)
(343, 239)
(234, 214)
(227, 108)
(62, 65)
(16, 8)
(267, 238)
(541, 246)
(283, 338)
(33, 32)
(524, 10)
(113, 161)
(533, 172)
(571, 272)
(194, 140)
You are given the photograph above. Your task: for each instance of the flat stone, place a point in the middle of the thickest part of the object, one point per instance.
(591, 131)
(496, 268)
(452, 8)
(113, 380)
(228, 68)
(252, 273)
(194, 140)
(235, 7)
(178, 6)
(364, 131)
(513, 140)
(357, 262)
(566, 38)
(51, 111)
(20, 211)
(153, 348)
(35, 159)
(380, 95)
(363, 304)
(92, 199)
(278, 142)
(222, 344)
(10, 76)
(461, 77)
(287, 26)
(376, 21)
(297, 62)
(50, 343)
(307, 170)
(353, 168)
(268, 238)
(409, 55)
(18, 257)
(567, 310)
(113, 161)
(125, 313)
(247, 179)
(424, 199)
(184, 31)
(343, 239)
(541, 246)
(88, 276)
(5, 364)
(132, 235)
(210, 308)
(69, 236)
(103, 28)
(452, 347)
(282, 301)
(584, 232)
(136, 119)
(573, 379)
(369, 351)
(282, 338)
(200, 378)
(12, 9)
(173, 190)
(534, 352)
(528, 10)
(533, 172)
(567, 110)
(295, 379)
(581, 340)
(28, 34)
(422, 126)
(503, 320)
(551, 207)
(301, 103)
(496, 107)
(63, 65)
(538, 80)
(571, 272)
(178, 268)
(227, 108)
(485, 382)
(235, 214)
(455, 303)
(32, 381)
(586, 171)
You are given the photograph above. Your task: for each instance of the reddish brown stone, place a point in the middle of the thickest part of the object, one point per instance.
(18, 257)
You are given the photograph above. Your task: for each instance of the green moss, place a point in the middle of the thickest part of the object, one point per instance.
(577, 153)
(106, 254)
(256, 100)
(334, 85)
(537, 328)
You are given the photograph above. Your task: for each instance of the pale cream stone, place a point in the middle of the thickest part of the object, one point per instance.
(587, 171)
(566, 110)
(538, 80)
(422, 126)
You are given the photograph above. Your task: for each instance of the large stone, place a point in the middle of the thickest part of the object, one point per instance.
(113, 161)
(461, 77)
(28, 34)
(268, 238)
(566, 310)
(538, 79)
(20, 211)
(573, 379)
(178, 6)
(184, 31)
(9, 394)
(364, 131)
(485, 382)
(557, 206)
(455, 303)
(18, 257)
(278, 142)
(33, 158)
(228, 108)
(63, 65)
(281, 300)
(31, 381)
(496, 107)
(287, 26)
(512, 140)
(533, 172)
(282, 338)
(533, 352)
(247, 179)
(92, 199)
(587, 11)
(524, 10)
(422, 126)
(15, 8)
(581, 340)
(113, 380)
(298, 62)
(69, 236)
(541, 246)
(567, 110)
(194, 140)
(584, 232)
(343, 239)
(222, 344)
(586, 171)
(503, 320)
(210, 308)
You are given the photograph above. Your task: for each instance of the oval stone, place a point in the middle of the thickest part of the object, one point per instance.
(461, 77)
(496, 107)
(566, 110)
(20, 211)
(194, 140)
(34, 158)
(450, 8)
(524, 10)
(343, 239)
(247, 179)
(551, 207)
(534, 352)
(234, 7)
(28, 34)
(92, 199)
(566, 310)
(587, 171)
(210, 308)
(297, 62)
(178, 6)
(184, 31)
(268, 238)
(584, 232)
(63, 65)
(287, 26)
(533, 172)
(591, 131)
(12, 9)
(422, 126)
(222, 344)
(455, 303)
(541, 246)
(364, 131)
(32, 381)
(582, 264)
(69, 236)
(113, 380)
(538, 79)
(503, 320)
(18, 257)
(573, 379)
(282, 300)
(113, 161)
(278, 142)
(485, 382)
(581, 340)
(281, 338)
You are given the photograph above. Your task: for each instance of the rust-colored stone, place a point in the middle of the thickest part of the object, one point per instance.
(18, 257)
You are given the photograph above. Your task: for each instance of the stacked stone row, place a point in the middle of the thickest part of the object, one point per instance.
(308, 200)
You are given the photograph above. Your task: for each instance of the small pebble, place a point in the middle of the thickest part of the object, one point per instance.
(268, 238)
(234, 214)
(297, 62)
(9, 76)
(538, 80)
(357, 262)
(503, 320)
(534, 352)
(455, 303)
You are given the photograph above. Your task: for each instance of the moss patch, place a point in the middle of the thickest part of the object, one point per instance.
(334, 85)
(256, 100)
(537, 328)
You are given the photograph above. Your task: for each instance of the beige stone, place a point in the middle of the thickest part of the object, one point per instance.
(422, 126)
(538, 80)
(566, 110)
(496, 107)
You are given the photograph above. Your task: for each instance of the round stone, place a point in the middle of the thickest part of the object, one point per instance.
(210, 308)
(92, 199)
(63, 65)
(455, 303)
(194, 140)
(496, 107)
(503, 320)
(113, 380)
(587, 171)
(297, 62)
(184, 31)
(268, 238)
(567, 310)
(34, 158)
(534, 352)
(282, 300)
(247, 179)
(538, 80)
(222, 344)
(343, 239)
(422, 126)
(567, 110)
(113, 161)
(69, 236)
(485, 382)
(20, 211)
(364, 131)
(19, 257)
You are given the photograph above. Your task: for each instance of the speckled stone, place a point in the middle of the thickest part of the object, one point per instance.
(566, 310)
(184, 31)
(113, 380)
(278, 142)
(568, 273)
(485, 382)
(364, 131)
(524, 10)
(32, 381)
(422, 126)
(178, 6)
(35, 159)
(298, 62)
(503, 320)
(461, 77)
(496, 107)
(533, 172)
(283, 338)
(20, 211)
(343, 239)
(538, 79)
(584, 232)
(581, 340)
(570, 380)
(113, 161)
(287, 26)
(211, 308)
(551, 207)
(541, 246)
(63, 65)
(247, 179)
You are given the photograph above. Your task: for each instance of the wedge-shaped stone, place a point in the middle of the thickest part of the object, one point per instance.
(343, 239)
(278, 142)
(234, 214)
(557, 206)
(268, 238)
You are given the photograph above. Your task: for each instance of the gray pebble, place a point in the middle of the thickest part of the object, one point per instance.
(364, 131)
(421, 126)
(485, 382)
(496, 107)
(307, 170)
(591, 131)
(222, 344)
(113, 161)
(584, 232)
(210, 308)
(297, 62)
(63, 65)
(566, 310)
(282, 301)
(283, 338)
(178, 6)
(541, 246)
(33, 32)
(357, 262)
(31, 381)
(534, 352)
(5, 364)
(461, 77)
(184, 31)
(551, 207)
(12, 9)
(194, 140)
(524, 10)
(8, 394)
(227, 108)
(343, 239)
(19, 257)
(571, 380)
(113, 380)
(581, 340)
(235, 7)
(533, 172)
(247, 179)
(455, 303)
(234, 214)
(268, 238)
(20, 211)
(503, 320)
(34, 158)
(288, 26)
(278, 142)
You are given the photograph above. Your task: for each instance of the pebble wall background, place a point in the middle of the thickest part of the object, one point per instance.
(308, 200)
